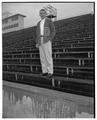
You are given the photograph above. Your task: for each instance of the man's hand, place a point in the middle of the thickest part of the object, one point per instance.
(37, 46)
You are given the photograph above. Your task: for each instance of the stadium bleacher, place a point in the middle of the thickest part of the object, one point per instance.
(73, 56)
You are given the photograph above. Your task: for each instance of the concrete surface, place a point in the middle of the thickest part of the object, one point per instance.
(24, 101)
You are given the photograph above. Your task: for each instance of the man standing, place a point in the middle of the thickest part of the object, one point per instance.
(45, 33)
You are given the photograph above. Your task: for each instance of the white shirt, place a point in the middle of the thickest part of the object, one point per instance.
(42, 28)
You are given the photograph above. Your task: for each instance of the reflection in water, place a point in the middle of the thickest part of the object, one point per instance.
(18, 103)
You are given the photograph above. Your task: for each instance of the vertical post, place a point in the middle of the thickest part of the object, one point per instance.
(72, 70)
(36, 68)
(71, 45)
(54, 55)
(88, 54)
(83, 63)
(53, 84)
(16, 77)
(79, 62)
(91, 55)
(31, 68)
(7, 67)
(67, 71)
(64, 50)
(58, 83)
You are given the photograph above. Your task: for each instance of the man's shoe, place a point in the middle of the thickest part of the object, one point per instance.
(44, 74)
(50, 75)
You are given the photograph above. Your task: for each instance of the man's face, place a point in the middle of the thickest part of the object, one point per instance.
(42, 14)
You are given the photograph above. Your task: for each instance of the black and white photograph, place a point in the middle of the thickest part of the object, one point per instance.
(48, 59)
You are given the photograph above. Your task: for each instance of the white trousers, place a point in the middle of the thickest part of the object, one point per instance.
(45, 51)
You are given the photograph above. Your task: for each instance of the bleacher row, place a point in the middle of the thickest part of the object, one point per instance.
(73, 56)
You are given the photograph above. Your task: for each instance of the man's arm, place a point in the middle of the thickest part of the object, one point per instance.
(37, 35)
(52, 29)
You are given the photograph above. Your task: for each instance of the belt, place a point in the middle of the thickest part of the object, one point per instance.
(41, 36)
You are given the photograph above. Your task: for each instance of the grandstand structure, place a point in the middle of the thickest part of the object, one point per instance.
(73, 56)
